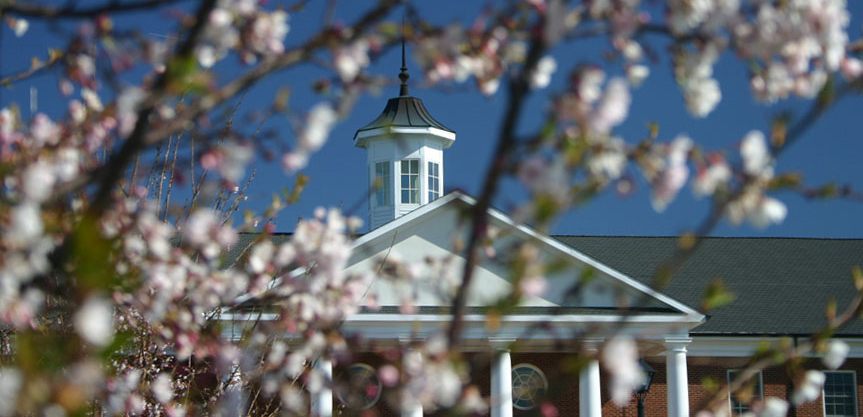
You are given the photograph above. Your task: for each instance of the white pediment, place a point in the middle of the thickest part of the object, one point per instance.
(436, 231)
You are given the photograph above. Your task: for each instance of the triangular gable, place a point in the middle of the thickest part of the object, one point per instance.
(432, 231)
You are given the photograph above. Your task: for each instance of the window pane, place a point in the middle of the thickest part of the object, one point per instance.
(415, 181)
(405, 181)
(383, 182)
(405, 196)
(415, 166)
(404, 167)
(415, 196)
(840, 395)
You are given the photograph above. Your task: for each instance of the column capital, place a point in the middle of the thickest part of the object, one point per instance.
(677, 343)
(592, 344)
(501, 343)
(408, 340)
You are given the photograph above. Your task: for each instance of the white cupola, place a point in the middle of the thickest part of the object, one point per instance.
(405, 156)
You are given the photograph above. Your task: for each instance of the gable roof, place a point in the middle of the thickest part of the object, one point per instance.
(782, 285)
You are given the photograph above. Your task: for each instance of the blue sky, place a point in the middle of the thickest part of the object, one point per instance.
(831, 151)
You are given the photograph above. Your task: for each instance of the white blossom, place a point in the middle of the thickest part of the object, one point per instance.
(702, 95)
(44, 131)
(268, 32)
(94, 321)
(753, 150)
(768, 211)
(19, 26)
(837, 351)
(707, 180)
(610, 162)
(613, 108)
(636, 74)
(350, 60)
(620, 358)
(92, 99)
(198, 227)
(161, 388)
(319, 122)
(26, 224)
(38, 182)
(774, 407)
(541, 76)
(673, 177)
(10, 385)
(809, 389)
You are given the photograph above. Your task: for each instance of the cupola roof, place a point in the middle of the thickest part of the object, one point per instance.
(404, 110)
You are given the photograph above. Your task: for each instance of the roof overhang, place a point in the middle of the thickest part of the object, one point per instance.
(362, 137)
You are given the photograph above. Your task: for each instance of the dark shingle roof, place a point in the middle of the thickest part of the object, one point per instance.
(404, 111)
(781, 285)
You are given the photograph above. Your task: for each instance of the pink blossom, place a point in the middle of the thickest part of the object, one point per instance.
(44, 131)
(708, 179)
(671, 179)
(613, 108)
(350, 60)
(533, 286)
(851, 68)
(388, 375)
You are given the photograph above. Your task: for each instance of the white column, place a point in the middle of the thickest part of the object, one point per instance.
(322, 402)
(411, 363)
(501, 384)
(675, 373)
(589, 391)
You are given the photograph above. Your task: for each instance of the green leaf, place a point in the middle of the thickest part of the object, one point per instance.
(716, 295)
(90, 257)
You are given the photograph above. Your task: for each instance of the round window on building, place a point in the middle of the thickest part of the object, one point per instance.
(358, 387)
(529, 386)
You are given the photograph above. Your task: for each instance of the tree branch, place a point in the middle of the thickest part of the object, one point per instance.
(44, 11)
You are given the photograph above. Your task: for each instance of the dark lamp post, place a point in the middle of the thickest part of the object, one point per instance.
(642, 392)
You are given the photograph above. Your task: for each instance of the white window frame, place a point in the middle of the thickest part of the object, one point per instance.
(374, 374)
(823, 392)
(731, 394)
(542, 377)
(386, 184)
(418, 174)
(433, 194)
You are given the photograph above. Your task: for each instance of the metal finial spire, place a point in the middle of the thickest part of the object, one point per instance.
(403, 75)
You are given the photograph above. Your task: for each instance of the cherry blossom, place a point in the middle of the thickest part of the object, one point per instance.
(809, 389)
(94, 321)
(180, 284)
(673, 177)
(836, 353)
(541, 76)
(620, 357)
(351, 59)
